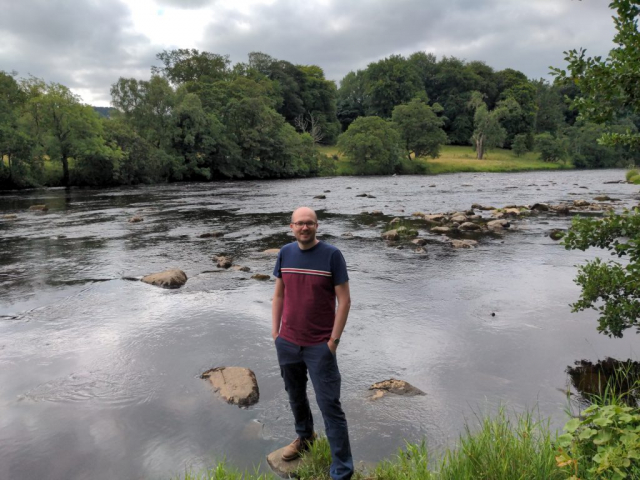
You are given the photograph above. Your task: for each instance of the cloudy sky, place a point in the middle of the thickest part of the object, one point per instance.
(88, 44)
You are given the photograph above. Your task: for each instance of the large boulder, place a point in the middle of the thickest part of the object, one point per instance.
(396, 387)
(172, 278)
(236, 385)
(463, 243)
(223, 262)
(390, 235)
(499, 224)
(469, 226)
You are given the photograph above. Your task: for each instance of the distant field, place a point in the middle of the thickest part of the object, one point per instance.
(462, 159)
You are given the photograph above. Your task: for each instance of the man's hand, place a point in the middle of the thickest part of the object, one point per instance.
(332, 346)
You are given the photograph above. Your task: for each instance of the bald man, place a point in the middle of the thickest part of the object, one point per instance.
(306, 327)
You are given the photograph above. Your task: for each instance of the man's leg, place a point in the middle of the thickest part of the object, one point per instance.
(325, 376)
(294, 374)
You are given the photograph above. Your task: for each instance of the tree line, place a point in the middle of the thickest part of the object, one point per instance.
(199, 118)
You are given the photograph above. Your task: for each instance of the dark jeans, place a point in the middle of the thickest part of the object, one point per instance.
(322, 366)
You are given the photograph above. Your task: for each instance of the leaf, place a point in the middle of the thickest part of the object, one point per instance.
(565, 440)
(603, 437)
(587, 433)
(572, 425)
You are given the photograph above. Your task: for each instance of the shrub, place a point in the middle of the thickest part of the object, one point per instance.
(519, 145)
(635, 180)
(632, 173)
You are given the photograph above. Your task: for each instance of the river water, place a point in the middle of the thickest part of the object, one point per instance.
(100, 375)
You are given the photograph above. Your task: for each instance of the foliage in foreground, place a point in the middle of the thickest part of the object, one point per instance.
(611, 288)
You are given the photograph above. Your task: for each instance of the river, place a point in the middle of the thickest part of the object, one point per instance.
(100, 375)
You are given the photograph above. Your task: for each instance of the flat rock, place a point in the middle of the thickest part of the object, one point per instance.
(602, 198)
(320, 197)
(469, 226)
(397, 387)
(282, 468)
(236, 385)
(223, 262)
(10, 216)
(463, 243)
(361, 195)
(440, 230)
(39, 208)
(477, 206)
(513, 211)
(271, 251)
(260, 276)
(436, 218)
(419, 241)
(211, 235)
(172, 278)
(136, 219)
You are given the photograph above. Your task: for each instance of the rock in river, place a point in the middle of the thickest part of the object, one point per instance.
(173, 278)
(211, 235)
(223, 262)
(499, 224)
(260, 276)
(390, 235)
(469, 226)
(397, 387)
(39, 208)
(136, 219)
(271, 251)
(440, 230)
(556, 234)
(463, 243)
(236, 385)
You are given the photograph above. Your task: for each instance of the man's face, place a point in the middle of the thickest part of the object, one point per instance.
(304, 226)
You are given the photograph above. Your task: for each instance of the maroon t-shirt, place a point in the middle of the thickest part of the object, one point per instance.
(309, 278)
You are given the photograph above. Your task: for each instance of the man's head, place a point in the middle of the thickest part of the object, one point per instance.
(304, 224)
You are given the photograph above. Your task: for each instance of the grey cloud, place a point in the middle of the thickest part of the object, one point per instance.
(185, 4)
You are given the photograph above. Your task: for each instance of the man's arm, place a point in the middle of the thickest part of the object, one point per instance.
(344, 305)
(276, 308)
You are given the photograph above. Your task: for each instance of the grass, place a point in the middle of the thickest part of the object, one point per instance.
(501, 448)
(454, 159)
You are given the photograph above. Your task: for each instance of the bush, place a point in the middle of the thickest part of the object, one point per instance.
(635, 180)
(605, 444)
(632, 173)
(519, 145)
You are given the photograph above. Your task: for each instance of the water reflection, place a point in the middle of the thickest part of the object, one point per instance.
(608, 376)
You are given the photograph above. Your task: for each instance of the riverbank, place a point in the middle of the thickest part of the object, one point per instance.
(458, 159)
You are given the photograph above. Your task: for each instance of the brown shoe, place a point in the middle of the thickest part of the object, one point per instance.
(297, 447)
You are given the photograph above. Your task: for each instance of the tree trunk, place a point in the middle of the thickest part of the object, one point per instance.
(65, 171)
(479, 148)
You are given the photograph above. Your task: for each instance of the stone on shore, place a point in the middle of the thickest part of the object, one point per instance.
(39, 208)
(282, 468)
(236, 385)
(136, 219)
(397, 387)
(172, 278)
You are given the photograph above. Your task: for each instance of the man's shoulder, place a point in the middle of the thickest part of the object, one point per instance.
(288, 247)
(327, 247)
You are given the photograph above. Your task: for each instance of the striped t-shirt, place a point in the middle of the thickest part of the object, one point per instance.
(309, 277)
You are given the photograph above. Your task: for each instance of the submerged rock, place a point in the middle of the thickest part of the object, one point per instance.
(397, 387)
(463, 243)
(260, 276)
(602, 198)
(556, 234)
(172, 278)
(211, 235)
(39, 208)
(271, 251)
(236, 385)
(477, 206)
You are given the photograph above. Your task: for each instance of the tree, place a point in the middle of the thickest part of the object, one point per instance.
(352, 98)
(611, 288)
(609, 86)
(390, 82)
(190, 65)
(372, 145)
(552, 149)
(488, 132)
(420, 128)
(519, 145)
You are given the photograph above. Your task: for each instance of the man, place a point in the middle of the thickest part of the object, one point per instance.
(306, 328)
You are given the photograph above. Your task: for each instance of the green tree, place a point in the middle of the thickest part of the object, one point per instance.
(488, 132)
(391, 81)
(352, 98)
(586, 151)
(372, 145)
(551, 149)
(190, 65)
(611, 288)
(519, 145)
(609, 86)
(420, 128)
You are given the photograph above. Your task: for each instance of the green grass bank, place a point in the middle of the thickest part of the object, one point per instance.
(455, 159)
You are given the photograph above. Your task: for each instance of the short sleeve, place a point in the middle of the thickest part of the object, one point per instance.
(276, 270)
(339, 268)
